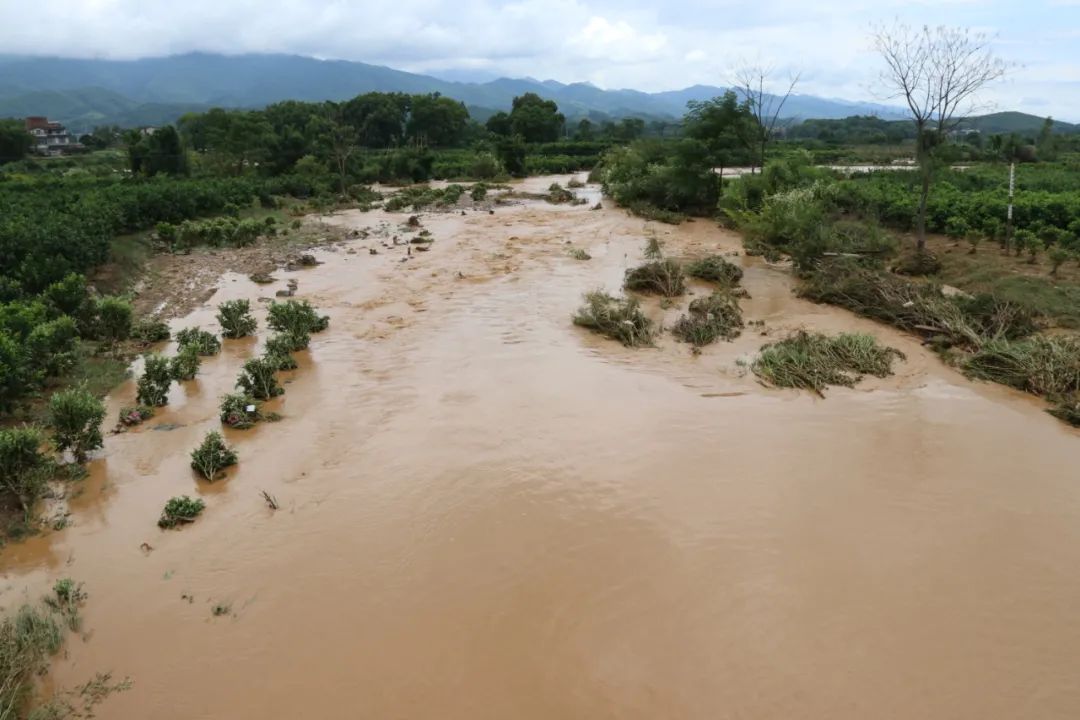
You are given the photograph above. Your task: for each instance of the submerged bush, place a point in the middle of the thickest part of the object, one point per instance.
(153, 386)
(75, 417)
(240, 411)
(213, 456)
(205, 343)
(257, 379)
(236, 319)
(663, 277)
(279, 349)
(135, 415)
(296, 316)
(814, 361)
(714, 268)
(180, 510)
(185, 364)
(617, 318)
(709, 319)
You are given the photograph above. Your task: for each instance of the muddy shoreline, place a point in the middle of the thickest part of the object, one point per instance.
(487, 512)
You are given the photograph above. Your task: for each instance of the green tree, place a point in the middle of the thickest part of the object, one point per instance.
(536, 120)
(499, 124)
(75, 417)
(725, 126)
(15, 142)
(1045, 144)
(436, 121)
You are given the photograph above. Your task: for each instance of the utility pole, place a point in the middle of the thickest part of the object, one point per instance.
(1009, 218)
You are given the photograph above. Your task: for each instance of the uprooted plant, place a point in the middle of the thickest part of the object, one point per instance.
(709, 319)
(180, 511)
(662, 277)
(212, 456)
(205, 343)
(714, 268)
(153, 385)
(236, 319)
(814, 361)
(617, 318)
(257, 379)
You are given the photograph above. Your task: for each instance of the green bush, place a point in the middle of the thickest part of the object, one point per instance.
(709, 319)
(24, 470)
(179, 511)
(714, 268)
(114, 319)
(151, 331)
(257, 379)
(236, 319)
(135, 415)
(212, 456)
(75, 417)
(153, 386)
(52, 348)
(814, 361)
(185, 364)
(297, 317)
(279, 349)
(205, 343)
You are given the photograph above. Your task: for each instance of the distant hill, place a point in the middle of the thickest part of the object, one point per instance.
(1015, 122)
(83, 89)
(84, 108)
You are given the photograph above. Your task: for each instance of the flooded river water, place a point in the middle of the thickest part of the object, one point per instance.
(489, 513)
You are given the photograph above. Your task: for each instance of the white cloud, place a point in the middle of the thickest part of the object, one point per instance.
(630, 43)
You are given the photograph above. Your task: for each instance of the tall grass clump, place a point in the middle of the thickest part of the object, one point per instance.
(27, 640)
(212, 456)
(814, 361)
(1042, 365)
(662, 277)
(236, 319)
(714, 268)
(153, 386)
(617, 318)
(710, 319)
(205, 343)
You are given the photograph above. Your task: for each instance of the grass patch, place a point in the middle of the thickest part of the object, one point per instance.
(651, 212)
(617, 318)
(814, 361)
(661, 277)
(714, 268)
(1067, 411)
(1046, 366)
(710, 319)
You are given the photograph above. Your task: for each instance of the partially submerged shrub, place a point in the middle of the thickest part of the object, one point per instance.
(617, 318)
(135, 415)
(579, 254)
(236, 319)
(185, 364)
(257, 379)
(153, 386)
(1069, 411)
(279, 349)
(714, 268)
(653, 250)
(814, 361)
(205, 343)
(709, 319)
(240, 411)
(75, 417)
(213, 456)
(663, 277)
(296, 316)
(67, 596)
(150, 331)
(180, 510)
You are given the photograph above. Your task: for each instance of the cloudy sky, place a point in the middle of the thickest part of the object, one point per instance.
(629, 43)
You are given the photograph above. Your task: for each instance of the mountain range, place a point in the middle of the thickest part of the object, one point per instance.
(86, 92)
(83, 93)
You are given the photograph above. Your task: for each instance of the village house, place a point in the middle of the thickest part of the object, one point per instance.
(50, 138)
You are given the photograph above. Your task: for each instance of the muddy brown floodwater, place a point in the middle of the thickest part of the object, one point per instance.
(489, 513)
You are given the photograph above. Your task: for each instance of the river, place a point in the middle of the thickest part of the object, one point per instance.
(487, 512)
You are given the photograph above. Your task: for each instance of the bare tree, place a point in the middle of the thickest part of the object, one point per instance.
(752, 82)
(938, 72)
